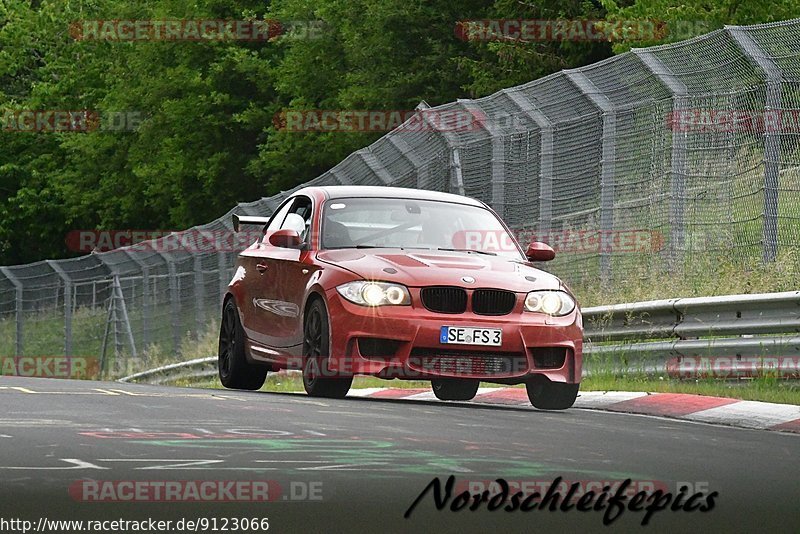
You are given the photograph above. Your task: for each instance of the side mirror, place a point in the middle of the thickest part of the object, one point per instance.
(286, 238)
(538, 251)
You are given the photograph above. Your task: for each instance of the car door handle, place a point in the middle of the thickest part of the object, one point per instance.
(261, 267)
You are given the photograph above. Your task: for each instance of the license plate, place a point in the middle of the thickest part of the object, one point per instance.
(468, 335)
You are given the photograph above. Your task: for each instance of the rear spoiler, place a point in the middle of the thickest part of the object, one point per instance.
(239, 220)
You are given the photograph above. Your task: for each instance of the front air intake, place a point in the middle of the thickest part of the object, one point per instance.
(444, 299)
(549, 357)
(493, 301)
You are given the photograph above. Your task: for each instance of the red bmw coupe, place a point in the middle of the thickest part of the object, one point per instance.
(398, 283)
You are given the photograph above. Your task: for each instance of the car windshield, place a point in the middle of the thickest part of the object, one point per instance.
(414, 224)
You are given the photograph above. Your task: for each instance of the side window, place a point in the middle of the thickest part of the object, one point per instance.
(279, 216)
(299, 217)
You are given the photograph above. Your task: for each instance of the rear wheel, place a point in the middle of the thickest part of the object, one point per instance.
(547, 395)
(457, 389)
(317, 377)
(235, 372)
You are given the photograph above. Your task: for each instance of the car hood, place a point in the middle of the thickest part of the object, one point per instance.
(435, 268)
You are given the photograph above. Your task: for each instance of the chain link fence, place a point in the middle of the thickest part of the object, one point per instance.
(694, 144)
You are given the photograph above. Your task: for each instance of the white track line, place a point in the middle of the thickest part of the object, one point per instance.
(602, 399)
(748, 414)
(363, 392)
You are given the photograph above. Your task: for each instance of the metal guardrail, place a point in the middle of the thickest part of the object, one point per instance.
(198, 368)
(644, 336)
(764, 324)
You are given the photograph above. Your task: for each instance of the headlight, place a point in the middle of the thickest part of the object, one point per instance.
(556, 303)
(375, 293)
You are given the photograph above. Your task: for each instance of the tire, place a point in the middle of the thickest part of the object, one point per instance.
(546, 395)
(455, 389)
(235, 372)
(316, 349)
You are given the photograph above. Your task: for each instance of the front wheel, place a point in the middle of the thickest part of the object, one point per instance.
(454, 388)
(317, 377)
(547, 395)
(234, 370)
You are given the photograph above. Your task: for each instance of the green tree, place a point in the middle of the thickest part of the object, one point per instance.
(683, 19)
(206, 138)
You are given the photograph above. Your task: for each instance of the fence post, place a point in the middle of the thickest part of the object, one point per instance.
(199, 293)
(174, 301)
(116, 308)
(222, 267)
(773, 77)
(374, 165)
(678, 162)
(124, 311)
(408, 154)
(109, 316)
(498, 172)
(498, 161)
(145, 269)
(607, 166)
(146, 300)
(18, 309)
(67, 305)
(117, 340)
(456, 179)
(545, 159)
(341, 177)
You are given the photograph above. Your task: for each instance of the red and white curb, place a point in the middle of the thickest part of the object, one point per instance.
(716, 410)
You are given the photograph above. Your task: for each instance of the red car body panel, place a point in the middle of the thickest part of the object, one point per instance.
(273, 286)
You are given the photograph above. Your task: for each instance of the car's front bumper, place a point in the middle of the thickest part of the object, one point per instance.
(532, 343)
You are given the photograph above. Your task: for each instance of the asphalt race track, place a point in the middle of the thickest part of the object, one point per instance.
(356, 465)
